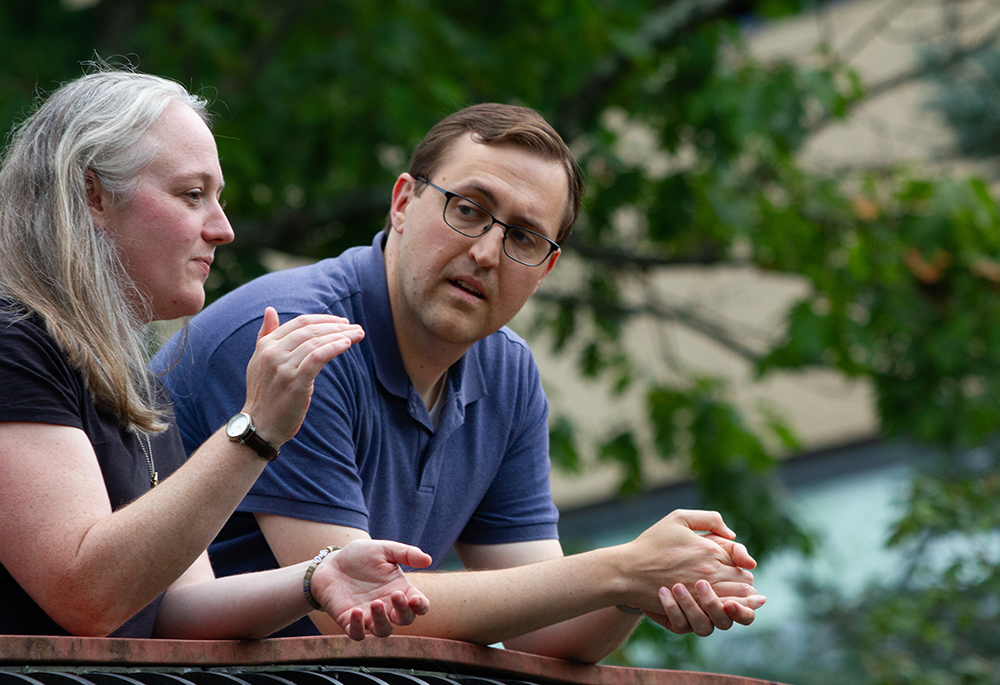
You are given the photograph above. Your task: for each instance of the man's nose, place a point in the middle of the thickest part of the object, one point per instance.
(487, 249)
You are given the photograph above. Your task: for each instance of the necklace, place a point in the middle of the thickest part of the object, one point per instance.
(147, 450)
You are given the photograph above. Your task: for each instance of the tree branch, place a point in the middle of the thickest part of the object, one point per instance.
(682, 315)
(617, 257)
(364, 210)
(862, 37)
(922, 70)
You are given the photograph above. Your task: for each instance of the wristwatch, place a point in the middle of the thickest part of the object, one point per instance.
(241, 429)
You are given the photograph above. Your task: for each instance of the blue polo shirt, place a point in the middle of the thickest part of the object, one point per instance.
(367, 455)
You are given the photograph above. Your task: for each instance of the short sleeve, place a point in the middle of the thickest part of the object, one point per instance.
(317, 478)
(38, 383)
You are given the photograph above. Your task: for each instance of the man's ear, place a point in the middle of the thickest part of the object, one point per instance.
(548, 267)
(402, 193)
(97, 200)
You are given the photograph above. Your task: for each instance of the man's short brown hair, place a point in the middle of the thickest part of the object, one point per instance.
(495, 124)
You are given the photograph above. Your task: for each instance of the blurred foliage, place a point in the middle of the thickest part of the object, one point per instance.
(968, 98)
(318, 105)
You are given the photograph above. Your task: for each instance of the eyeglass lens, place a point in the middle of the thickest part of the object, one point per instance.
(471, 220)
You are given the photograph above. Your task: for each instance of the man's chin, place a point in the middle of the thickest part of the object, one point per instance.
(459, 331)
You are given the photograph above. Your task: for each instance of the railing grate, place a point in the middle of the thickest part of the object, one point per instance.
(234, 676)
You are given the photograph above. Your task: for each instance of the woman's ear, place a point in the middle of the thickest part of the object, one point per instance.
(97, 200)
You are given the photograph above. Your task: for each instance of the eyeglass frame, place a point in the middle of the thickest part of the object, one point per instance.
(554, 247)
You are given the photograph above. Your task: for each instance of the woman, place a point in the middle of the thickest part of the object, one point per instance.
(110, 213)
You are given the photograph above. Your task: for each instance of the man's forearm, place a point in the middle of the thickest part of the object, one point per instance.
(530, 586)
(588, 638)
(529, 608)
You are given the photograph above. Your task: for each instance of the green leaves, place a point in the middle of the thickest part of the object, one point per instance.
(947, 504)
(562, 445)
(911, 307)
(623, 451)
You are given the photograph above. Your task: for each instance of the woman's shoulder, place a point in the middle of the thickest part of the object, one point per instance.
(17, 321)
(13, 311)
(38, 379)
(27, 347)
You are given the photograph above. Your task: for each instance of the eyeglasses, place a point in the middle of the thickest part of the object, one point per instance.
(473, 220)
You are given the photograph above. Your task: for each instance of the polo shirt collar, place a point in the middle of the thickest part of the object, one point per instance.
(466, 378)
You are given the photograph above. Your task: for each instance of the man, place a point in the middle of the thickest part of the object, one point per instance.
(433, 429)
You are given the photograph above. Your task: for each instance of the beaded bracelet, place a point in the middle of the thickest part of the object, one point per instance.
(307, 580)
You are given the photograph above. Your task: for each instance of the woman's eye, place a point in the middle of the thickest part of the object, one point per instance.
(194, 195)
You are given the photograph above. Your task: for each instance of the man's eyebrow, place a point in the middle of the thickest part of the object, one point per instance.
(521, 221)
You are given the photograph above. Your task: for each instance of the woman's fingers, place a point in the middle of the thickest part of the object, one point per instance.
(285, 364)
(269, 324)
(355, 627)
(381, 626)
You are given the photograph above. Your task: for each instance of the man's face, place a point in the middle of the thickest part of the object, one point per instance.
(449, 289)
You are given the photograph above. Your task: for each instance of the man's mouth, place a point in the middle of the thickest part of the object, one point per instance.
(468, 288)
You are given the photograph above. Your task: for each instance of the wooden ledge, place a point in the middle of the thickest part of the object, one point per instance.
(26, 653)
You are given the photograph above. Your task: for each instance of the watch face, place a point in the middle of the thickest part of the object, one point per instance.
(238, 425)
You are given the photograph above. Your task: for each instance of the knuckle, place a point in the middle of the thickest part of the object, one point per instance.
(267, 353)
(708, 569)
(284, 374)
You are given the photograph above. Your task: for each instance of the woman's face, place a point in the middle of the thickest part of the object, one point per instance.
(168, 230)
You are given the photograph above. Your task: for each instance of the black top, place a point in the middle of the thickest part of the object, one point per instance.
(38, 384)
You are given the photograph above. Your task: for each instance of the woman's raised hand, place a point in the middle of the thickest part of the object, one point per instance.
(285, 363)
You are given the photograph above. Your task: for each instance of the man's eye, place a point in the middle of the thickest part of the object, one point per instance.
(469, 211)
(193, 195)
(521, 236)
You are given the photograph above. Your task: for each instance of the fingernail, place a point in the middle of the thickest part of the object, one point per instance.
(679, 591)
(702, 586)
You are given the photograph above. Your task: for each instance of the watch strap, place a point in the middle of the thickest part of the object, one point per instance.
(259, 445)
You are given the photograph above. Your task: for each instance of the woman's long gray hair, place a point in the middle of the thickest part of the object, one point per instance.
(52, 258)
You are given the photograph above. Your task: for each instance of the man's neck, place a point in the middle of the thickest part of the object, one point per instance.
(426, 367)
(426, 358)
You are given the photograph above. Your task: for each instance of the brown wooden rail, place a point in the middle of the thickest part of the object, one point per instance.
(24, 659)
